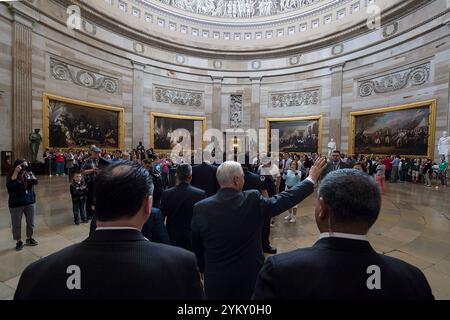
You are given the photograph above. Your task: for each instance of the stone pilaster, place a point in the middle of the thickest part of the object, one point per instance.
(255, 113)
(448, 113)
(22, 85)
(216, 109)
(138, 103)
(336, 104)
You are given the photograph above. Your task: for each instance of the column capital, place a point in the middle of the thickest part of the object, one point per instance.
(138, 65)
(217, 79)
(255, 80)
(337, 67)
(22, 14)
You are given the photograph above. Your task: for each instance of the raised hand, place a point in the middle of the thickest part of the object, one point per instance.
(317, 169)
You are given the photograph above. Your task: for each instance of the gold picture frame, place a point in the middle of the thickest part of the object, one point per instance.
(431, 131)
(154, 115)
(318, 118)
(46, 98)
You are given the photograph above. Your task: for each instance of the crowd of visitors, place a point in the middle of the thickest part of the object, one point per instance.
(222, 215)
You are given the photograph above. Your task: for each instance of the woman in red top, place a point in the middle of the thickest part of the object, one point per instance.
(60, 161)
(388, 164)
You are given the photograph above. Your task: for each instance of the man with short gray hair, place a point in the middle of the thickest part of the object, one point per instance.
(342, 264)
(177, 205)
(226, 230)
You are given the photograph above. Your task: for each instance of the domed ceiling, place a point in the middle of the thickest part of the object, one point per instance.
(242, 28)
(241, 9)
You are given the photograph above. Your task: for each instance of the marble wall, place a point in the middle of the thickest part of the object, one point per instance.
(329, 86)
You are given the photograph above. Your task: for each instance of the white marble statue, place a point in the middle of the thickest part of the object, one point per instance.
(331, 146)
(444, 144)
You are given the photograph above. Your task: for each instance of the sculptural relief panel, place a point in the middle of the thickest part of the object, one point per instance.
(413, 76)
(239, 8)
(236, 110)
(63, 71)
(295, 98)
(178, 96)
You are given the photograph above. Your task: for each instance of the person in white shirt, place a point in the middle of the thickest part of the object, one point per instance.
(293, 176)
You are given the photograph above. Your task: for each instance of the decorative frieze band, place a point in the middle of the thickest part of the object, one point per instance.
(236, 110)
(413, 76)
(295, 99)
(178, 96)
(63, 71)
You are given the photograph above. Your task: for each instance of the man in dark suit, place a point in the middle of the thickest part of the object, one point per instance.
(226, 230)
(116, 261)
(177, 205)
(334, 164)
(204, 177)
(157, 182)
(154, 229)
(254, 181)
(342, 264)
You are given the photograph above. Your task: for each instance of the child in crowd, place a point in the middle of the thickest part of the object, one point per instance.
(78, 191)
(415, 170)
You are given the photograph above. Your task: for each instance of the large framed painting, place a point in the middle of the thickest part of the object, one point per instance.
(407, 130)
(297, 134)
(162, 127)
(70, 123)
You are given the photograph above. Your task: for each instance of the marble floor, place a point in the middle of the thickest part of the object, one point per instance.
(414, 225)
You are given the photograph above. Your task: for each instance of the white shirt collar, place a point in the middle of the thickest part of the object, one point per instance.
(343, 236)
(116, 228)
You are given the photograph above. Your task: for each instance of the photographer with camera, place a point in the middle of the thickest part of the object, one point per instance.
(22, 200)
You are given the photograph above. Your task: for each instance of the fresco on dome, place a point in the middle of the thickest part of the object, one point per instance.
(239, 8)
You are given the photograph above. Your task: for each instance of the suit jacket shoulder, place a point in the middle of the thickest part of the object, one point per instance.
(124, 269)
(322, 272)
(197, 191)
